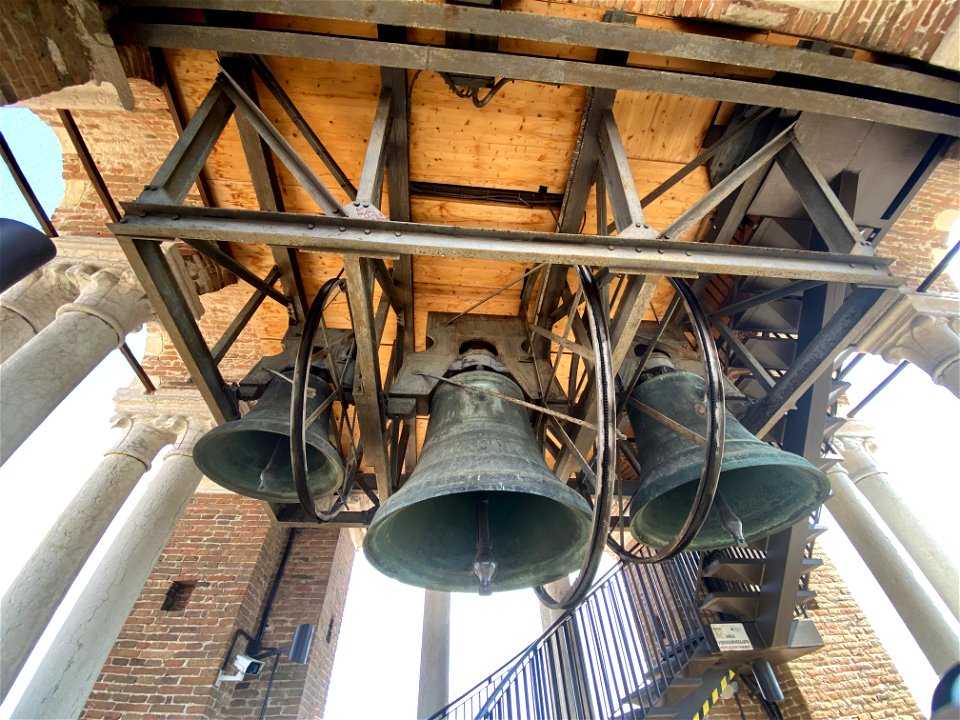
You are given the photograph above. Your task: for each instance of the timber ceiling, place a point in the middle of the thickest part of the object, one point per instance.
(523, 140)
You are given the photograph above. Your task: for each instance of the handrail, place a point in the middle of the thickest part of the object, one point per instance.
(613, 656)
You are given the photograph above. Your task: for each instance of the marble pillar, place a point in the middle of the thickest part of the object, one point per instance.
(923, 613)
(875, 485)
(31, 600)
(44, 371)
(68, 671)
(434, 654)
(32, 304)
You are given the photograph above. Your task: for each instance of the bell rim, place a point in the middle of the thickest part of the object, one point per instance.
(375, 552)
(797, 464)
(312, 436)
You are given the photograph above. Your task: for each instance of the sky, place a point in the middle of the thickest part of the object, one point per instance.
(916, 429)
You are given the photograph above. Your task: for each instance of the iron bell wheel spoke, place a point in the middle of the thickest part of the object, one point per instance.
(298, 412)
(713, 436)
(606, 453)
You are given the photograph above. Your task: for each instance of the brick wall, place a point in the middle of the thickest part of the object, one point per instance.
(165, 662)
(919, 239)
(851, 677)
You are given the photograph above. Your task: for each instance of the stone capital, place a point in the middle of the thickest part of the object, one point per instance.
(115, 298)
(144, 436)
(858, 458)
(192, 430)
(38, 296)
(923, 329)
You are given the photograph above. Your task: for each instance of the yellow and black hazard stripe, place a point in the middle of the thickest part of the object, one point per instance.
(714, 696)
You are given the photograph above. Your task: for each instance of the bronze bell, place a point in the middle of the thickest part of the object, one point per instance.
(251, 456)
(766, 488)
(481, 509)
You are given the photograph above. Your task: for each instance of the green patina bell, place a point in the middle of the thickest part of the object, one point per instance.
(251, 456)
(766, 488)
(481, 509)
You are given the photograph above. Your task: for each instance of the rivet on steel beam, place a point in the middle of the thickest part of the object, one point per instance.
(639, 249)
(639, 224)
(398, 233)
(175, 217)
(310, 226)
(367, 231)
(366, 204)
(610, 247)
(660, 250)
(342, 228)
(688, 253)
(357, 203)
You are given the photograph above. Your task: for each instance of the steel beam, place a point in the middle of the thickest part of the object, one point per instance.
(586, 33)
(617, 176)
(834, 223)
(385, 238)
(262, 69)
(147, 260)
(246, 313)
(398, 194)
(532, 68)
(266, 186)
(859, 312)
(241, 271)
(763, 298)
(178, 172)
(759, 372)
(368, 392)
(371, 179)
(314, 187)
(719, 192)
(24, 186)
(179, 117)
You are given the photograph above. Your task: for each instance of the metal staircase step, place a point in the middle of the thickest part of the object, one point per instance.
(804, 597)
(742, 604)
(772, 353)
(777, 316)
(742, 570)
(700, 663)
(829, 458)
(834, 423)
(815, 531)
(838, 388)
(679, 689)
(751, 388)
(810, 564)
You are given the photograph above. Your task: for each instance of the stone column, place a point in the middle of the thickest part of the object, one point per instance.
(920, 544)
(32, 304)
(924, 329)
(33, 598)
(67, 672)
(922, 612)
(434, 654)
(38, 377)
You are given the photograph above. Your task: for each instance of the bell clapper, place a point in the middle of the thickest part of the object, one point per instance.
(729, 520)
(268, 474)
(484, 564)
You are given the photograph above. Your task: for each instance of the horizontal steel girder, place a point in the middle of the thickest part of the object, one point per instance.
(550, 70)
(589, 33)
(389, 239)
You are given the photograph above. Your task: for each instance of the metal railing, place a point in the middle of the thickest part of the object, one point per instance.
(613, 656)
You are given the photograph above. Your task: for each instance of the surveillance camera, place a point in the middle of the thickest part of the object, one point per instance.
(247, 665)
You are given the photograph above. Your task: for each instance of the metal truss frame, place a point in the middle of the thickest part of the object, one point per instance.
(363, 234)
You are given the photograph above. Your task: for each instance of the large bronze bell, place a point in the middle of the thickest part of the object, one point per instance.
(481, 509)
(251, 456)
(766, 488)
